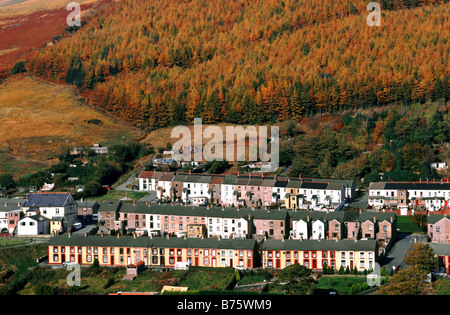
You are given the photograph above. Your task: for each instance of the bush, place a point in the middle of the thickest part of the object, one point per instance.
(19, 68)
(109, 283)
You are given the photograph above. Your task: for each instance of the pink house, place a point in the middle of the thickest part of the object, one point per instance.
(439, 228)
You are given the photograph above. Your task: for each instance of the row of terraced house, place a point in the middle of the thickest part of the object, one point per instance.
(211, 252)
(249, 190)
(433, 196)
(144, 218)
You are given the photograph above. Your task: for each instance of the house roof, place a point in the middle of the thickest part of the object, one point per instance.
(144, 241)
(167, 176)
(109, 206)
(229, 180)
(440, 249)
(8, 204)
(146, 174)
(36, 217)
(359, 245)
(217, 179)
(411, 185)
(47, 200)
(433, 219)
(280, 183)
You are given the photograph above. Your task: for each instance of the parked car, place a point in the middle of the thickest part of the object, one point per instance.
(77, 226)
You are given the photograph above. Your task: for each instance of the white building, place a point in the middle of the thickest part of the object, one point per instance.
(318, 228)
(227, 227)
(50, 205)
(227, 189)
(33, 225)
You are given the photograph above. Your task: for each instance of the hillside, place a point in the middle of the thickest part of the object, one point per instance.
(158, 63)
(26, 25)
(39, 118)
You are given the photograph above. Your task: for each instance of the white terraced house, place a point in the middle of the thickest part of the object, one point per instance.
(431, 196)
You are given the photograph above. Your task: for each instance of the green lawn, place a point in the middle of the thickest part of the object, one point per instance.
(405, 224)
(442, 287)
(342, 284)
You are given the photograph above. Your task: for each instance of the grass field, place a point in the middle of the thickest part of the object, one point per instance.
(39, 119)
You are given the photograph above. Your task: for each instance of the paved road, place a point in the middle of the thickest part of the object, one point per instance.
(400, 249)
(130, 180)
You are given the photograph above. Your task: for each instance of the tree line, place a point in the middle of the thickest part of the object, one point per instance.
(158, 63)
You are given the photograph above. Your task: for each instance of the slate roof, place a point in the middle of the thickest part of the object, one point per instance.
(411, 185)
(359, 245)
(9, 204)
(144, 241)
(36, 217)
(229, 180)
(432, 219)
(47, 200)
(440, 249)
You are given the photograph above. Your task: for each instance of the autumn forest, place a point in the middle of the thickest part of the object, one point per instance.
(159, 63)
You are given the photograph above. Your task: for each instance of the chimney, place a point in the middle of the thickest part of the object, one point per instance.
(168, 236)
(134, 235)
(249, 217)
(134, 202)
(69, 234)
(102, 234)
(85, 234)
(118, 234)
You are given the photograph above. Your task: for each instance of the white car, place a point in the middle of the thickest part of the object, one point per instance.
(77, 225)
